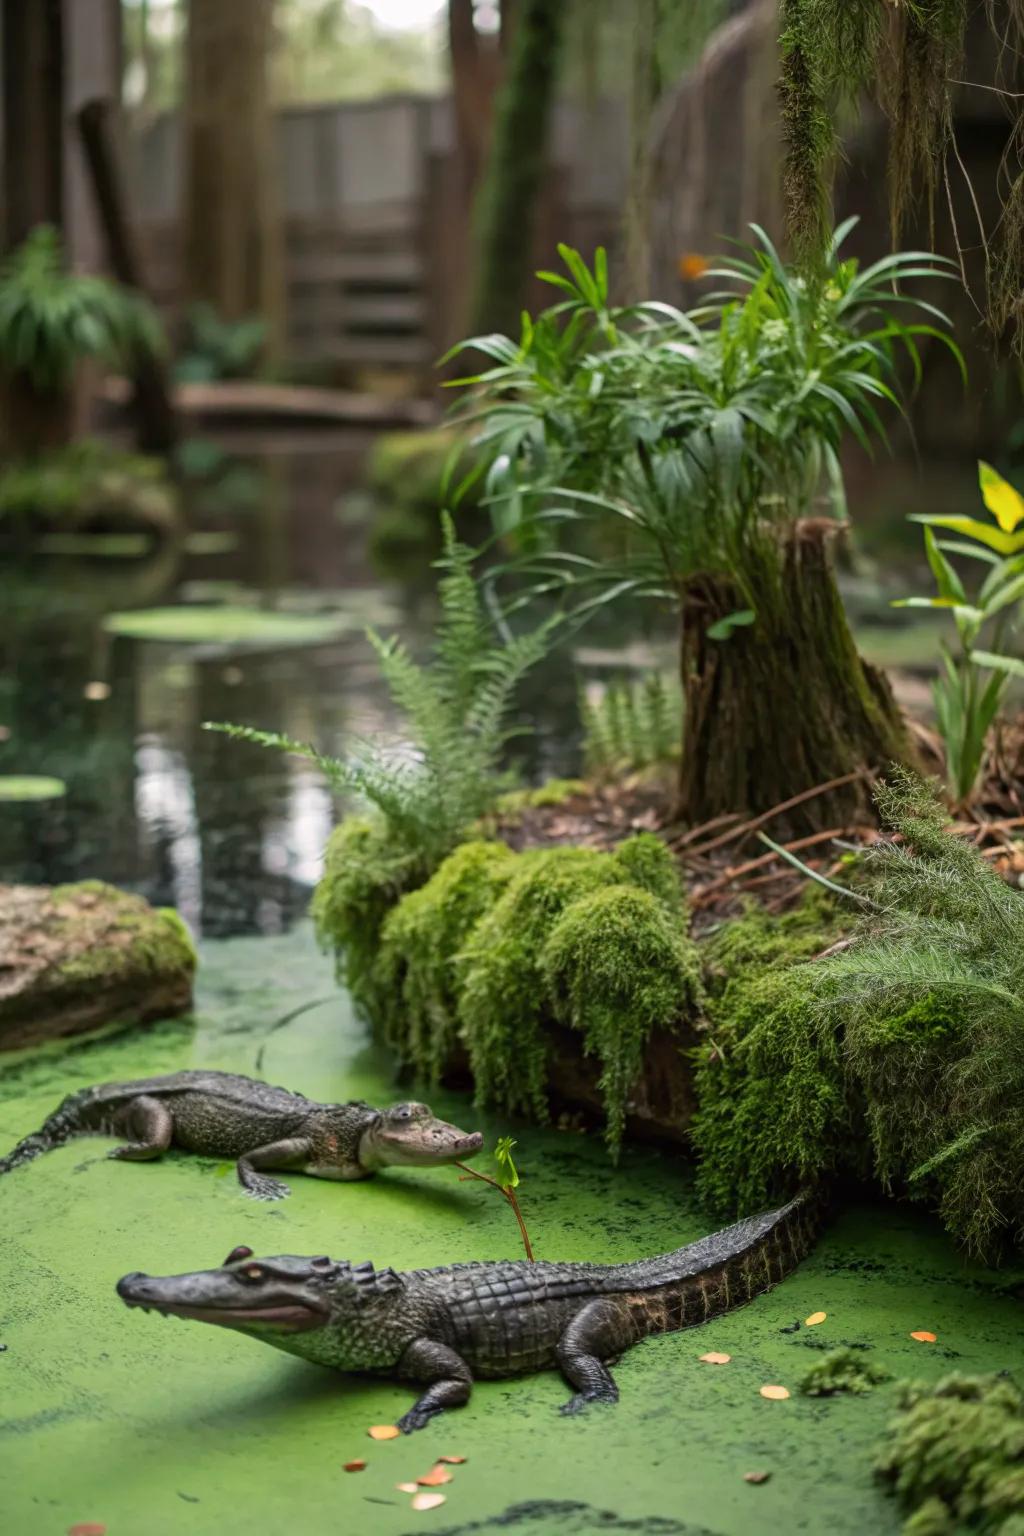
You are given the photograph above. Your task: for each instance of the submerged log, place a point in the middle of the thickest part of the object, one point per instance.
(73, 957)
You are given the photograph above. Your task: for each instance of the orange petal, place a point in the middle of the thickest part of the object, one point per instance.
(428, 1500)
(87, 1528)
(714, 1358)
(452, 1461)
(384, 1432)
(814, 1319)
(407, 1487)
(923, 1336)
(354, 1466)
(756, 1477)
(435, 1478)
(775, 1393)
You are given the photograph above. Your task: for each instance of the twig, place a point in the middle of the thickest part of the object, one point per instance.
(813, 874)
(707, 826)
(509, 1194)
(765, 858)
(776, 810)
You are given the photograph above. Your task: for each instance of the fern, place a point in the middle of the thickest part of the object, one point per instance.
(432, 787)
(632, 726)
(944, 1084)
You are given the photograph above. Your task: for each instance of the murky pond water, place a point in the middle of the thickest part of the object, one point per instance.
(230, 835)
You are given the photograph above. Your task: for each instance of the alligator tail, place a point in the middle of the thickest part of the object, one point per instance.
(58, 1128)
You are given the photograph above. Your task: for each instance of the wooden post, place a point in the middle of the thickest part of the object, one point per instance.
(32, 91)
(156, 426)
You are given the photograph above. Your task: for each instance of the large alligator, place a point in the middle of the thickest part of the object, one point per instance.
(443, 1327)
(221, 1115)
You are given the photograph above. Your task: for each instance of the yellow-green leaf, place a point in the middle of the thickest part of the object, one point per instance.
(1005, 504)
(995, 538)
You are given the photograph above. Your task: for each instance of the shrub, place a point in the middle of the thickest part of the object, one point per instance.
(631, 726)
(842, 1370)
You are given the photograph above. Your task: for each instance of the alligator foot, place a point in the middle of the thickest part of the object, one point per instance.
(583, 1400)
(260, 1187)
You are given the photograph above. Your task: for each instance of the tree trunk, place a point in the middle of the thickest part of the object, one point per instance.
(783, 704)
(506, 202)
(233, 252)
(33, 116)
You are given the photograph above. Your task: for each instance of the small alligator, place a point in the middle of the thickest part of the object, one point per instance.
(221, 1115)
(443, 1327)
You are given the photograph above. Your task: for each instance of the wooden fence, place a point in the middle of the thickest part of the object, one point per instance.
(376, 246)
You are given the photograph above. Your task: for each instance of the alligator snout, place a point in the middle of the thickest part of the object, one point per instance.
(470, 1144)
(135, 1288)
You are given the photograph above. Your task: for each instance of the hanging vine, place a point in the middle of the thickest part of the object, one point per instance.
(909, 55)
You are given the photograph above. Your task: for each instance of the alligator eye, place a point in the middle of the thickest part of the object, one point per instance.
(321, 1263)
(253, 1272)
(238, 1253)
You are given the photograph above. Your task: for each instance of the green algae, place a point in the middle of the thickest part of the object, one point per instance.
(238, 627)
(166, 1427)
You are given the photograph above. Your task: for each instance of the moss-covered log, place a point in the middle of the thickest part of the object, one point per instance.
(73, 957)
(785, 703)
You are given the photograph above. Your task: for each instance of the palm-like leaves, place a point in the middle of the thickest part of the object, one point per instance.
(697, 431)
(49, 318)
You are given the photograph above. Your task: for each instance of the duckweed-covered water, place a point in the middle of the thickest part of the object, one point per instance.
(154, 1427)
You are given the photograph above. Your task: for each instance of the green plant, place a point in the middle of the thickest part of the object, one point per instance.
(929, 1001)
(431, 789)
(710, 439)
(219, 349)
(966, 701)
(842, 1370)
(51, 319)
(88, 484)
(506, 1183)
(629, 726)
(954, 1457)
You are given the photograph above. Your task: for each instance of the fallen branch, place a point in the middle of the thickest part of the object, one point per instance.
(738, 870)
(777, 810)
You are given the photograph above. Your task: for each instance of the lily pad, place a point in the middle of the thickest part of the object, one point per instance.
(25, 786)
(225, 625)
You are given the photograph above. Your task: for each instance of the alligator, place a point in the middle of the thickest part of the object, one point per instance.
(442, 1328)
(221, 1115)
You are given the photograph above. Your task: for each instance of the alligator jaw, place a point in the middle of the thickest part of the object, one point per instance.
(144, 1291)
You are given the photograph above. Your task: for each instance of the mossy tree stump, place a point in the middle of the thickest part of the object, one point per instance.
(786, 703)
(76, 956)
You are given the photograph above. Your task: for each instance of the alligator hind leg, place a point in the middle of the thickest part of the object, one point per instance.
(597, 1333)
(292, 1152)
(151, 1125)
(450, 1381)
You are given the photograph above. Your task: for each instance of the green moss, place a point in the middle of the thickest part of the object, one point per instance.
(365, 875)
(506, 984)
(842, 1370)
(89, 484)
(758, 939)
(616, 966)
(775, 1109)
(415, 971)
(155, 942)
(955, 1457)
(551, 792)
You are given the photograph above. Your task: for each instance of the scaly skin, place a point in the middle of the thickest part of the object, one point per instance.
(221, 1115)
(445, 1327)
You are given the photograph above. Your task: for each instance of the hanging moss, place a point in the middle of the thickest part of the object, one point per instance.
(842, 1370)
(955, 1457)
(364, 876)
(775, 1110)
(617, 966)
(415, 975)
(502, 998)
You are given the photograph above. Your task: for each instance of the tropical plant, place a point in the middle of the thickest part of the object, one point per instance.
(629, 726)
(448, 773)
(219, 349)
(971, 685)
(712, 439)
(51, 319)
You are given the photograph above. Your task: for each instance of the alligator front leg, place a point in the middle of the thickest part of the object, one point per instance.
(597, 1333)
(450, 1381)
(150, 1125)
(292, 1152)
